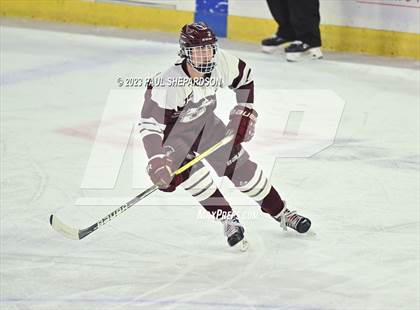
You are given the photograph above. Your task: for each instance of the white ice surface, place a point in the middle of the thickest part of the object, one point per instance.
(361, 193)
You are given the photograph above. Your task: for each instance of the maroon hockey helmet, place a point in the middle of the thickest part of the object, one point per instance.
(198, 45)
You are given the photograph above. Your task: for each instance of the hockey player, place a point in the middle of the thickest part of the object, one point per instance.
(178, 121)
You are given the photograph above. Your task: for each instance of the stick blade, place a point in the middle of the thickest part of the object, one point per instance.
(65, 230)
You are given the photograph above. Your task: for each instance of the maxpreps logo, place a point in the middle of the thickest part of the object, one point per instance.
(281, 135)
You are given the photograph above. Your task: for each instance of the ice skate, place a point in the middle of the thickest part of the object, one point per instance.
(298, 50)
(269, 45)
(234, 231)
(291, 219)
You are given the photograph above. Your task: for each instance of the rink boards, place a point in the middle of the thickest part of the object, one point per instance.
(389, 35)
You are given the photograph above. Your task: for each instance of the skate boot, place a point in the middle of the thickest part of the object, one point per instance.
(234, 231)
(269, 45)
(291, 219)
(298, 50)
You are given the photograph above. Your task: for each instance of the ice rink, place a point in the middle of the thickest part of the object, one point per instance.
(361, 193)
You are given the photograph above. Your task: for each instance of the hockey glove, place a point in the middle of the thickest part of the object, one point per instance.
(242, 123)
(160, 170)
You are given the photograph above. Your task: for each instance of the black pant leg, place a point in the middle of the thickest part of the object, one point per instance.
(305, 20)
(280, 11)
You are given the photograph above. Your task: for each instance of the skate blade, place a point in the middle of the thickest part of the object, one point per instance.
(311, 54)
(310, 233)
(242, 245)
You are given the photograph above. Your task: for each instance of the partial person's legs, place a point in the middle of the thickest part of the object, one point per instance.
(181, 146)
(280, 11)
(201, 186)
(305, 20)
(234, 163)
(197, 179)
(250, 180)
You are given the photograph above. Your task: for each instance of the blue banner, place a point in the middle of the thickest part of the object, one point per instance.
(214, 13)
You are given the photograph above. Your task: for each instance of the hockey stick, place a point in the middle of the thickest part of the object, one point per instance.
(77, 234)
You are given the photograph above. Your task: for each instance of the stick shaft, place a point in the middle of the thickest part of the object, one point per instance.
(151, 189)
(203, 155)
(79, 234)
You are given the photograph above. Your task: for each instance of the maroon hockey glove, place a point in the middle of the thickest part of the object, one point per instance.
(242, 123)
(160, 170)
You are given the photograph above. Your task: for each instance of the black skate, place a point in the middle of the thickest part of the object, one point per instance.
(291, 219)
(298, 49)
(234, 231)
(269, 45)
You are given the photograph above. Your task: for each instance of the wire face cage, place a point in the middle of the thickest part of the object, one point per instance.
(202, 58)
